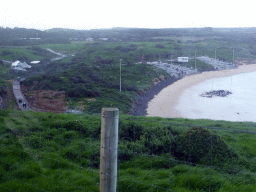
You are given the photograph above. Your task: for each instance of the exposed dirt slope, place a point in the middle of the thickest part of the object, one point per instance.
(46, 100)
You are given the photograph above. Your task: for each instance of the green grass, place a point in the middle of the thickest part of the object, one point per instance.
(94, 70)
(22, 54)
(5, 71)
(61, 153)
(149, 50)
(103, 83)
(72, 48)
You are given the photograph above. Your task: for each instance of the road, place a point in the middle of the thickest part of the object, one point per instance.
(61, 56)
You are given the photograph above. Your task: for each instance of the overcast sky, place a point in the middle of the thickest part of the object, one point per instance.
(92, 14)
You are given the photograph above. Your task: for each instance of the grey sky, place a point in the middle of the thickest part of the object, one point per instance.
(88, 14)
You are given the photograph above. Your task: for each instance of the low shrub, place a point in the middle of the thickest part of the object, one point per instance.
(160, 46)
(27, 171)
(82, 92)
(198, 145)
(2, 90)
(136, 139)
(130, 131)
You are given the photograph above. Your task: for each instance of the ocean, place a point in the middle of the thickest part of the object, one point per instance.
(238, 106)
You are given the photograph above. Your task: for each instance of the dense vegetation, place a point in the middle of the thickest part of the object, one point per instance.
(82, 81)
(16, 36)
(2, 88)
(93, 71)
(61, 153)
(92, 67)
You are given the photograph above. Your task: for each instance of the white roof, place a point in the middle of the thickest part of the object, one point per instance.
(35, 62)
(19, 68)
(20, 64)
(24, 65)
(16, 63)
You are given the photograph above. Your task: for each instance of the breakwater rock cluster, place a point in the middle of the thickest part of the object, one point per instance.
(218, 93)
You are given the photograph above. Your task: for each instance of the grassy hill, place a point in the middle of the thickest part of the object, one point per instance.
(81, 82)
(60, 152)
(92, 69)
(44, 151)
(23, 54)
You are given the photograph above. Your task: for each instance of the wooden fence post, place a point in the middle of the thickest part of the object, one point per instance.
(108, 151)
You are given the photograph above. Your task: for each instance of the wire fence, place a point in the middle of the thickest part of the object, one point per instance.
(62, 152)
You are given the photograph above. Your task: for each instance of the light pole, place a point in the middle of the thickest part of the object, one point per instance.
(171, 57)
(195, 59)
(120, 75)
(233, 58)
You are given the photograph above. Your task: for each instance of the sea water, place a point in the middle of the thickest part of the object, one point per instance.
(238, 106)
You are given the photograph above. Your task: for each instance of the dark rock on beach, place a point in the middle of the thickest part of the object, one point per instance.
(218, 93)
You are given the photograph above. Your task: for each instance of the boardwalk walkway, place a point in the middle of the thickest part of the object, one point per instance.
(20, 99)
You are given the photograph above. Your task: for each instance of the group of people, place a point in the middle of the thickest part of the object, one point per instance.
(24, 105)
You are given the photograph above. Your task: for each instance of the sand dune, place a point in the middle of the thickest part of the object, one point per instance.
(163, 104)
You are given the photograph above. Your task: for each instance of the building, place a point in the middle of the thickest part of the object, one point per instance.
(25, 65)
(182, 59)
(89, 39)
(103, 39)
(35, 38)
(19, 66)
(16, 63)
(35, 62)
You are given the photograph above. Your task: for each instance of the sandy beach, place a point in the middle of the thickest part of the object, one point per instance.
(163, 104)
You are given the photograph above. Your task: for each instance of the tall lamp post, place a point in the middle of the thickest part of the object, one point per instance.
(195, 59)
(233, 58)
(120, 75)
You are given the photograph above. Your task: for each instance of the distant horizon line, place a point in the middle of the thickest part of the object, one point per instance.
(106, 28)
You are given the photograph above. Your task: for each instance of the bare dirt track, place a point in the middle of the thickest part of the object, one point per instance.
(45, 100)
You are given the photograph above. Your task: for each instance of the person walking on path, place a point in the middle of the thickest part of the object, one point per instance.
(24, 105)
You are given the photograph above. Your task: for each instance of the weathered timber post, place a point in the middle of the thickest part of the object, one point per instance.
(108, 151)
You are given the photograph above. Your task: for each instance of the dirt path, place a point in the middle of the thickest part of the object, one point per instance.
(60, 56)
